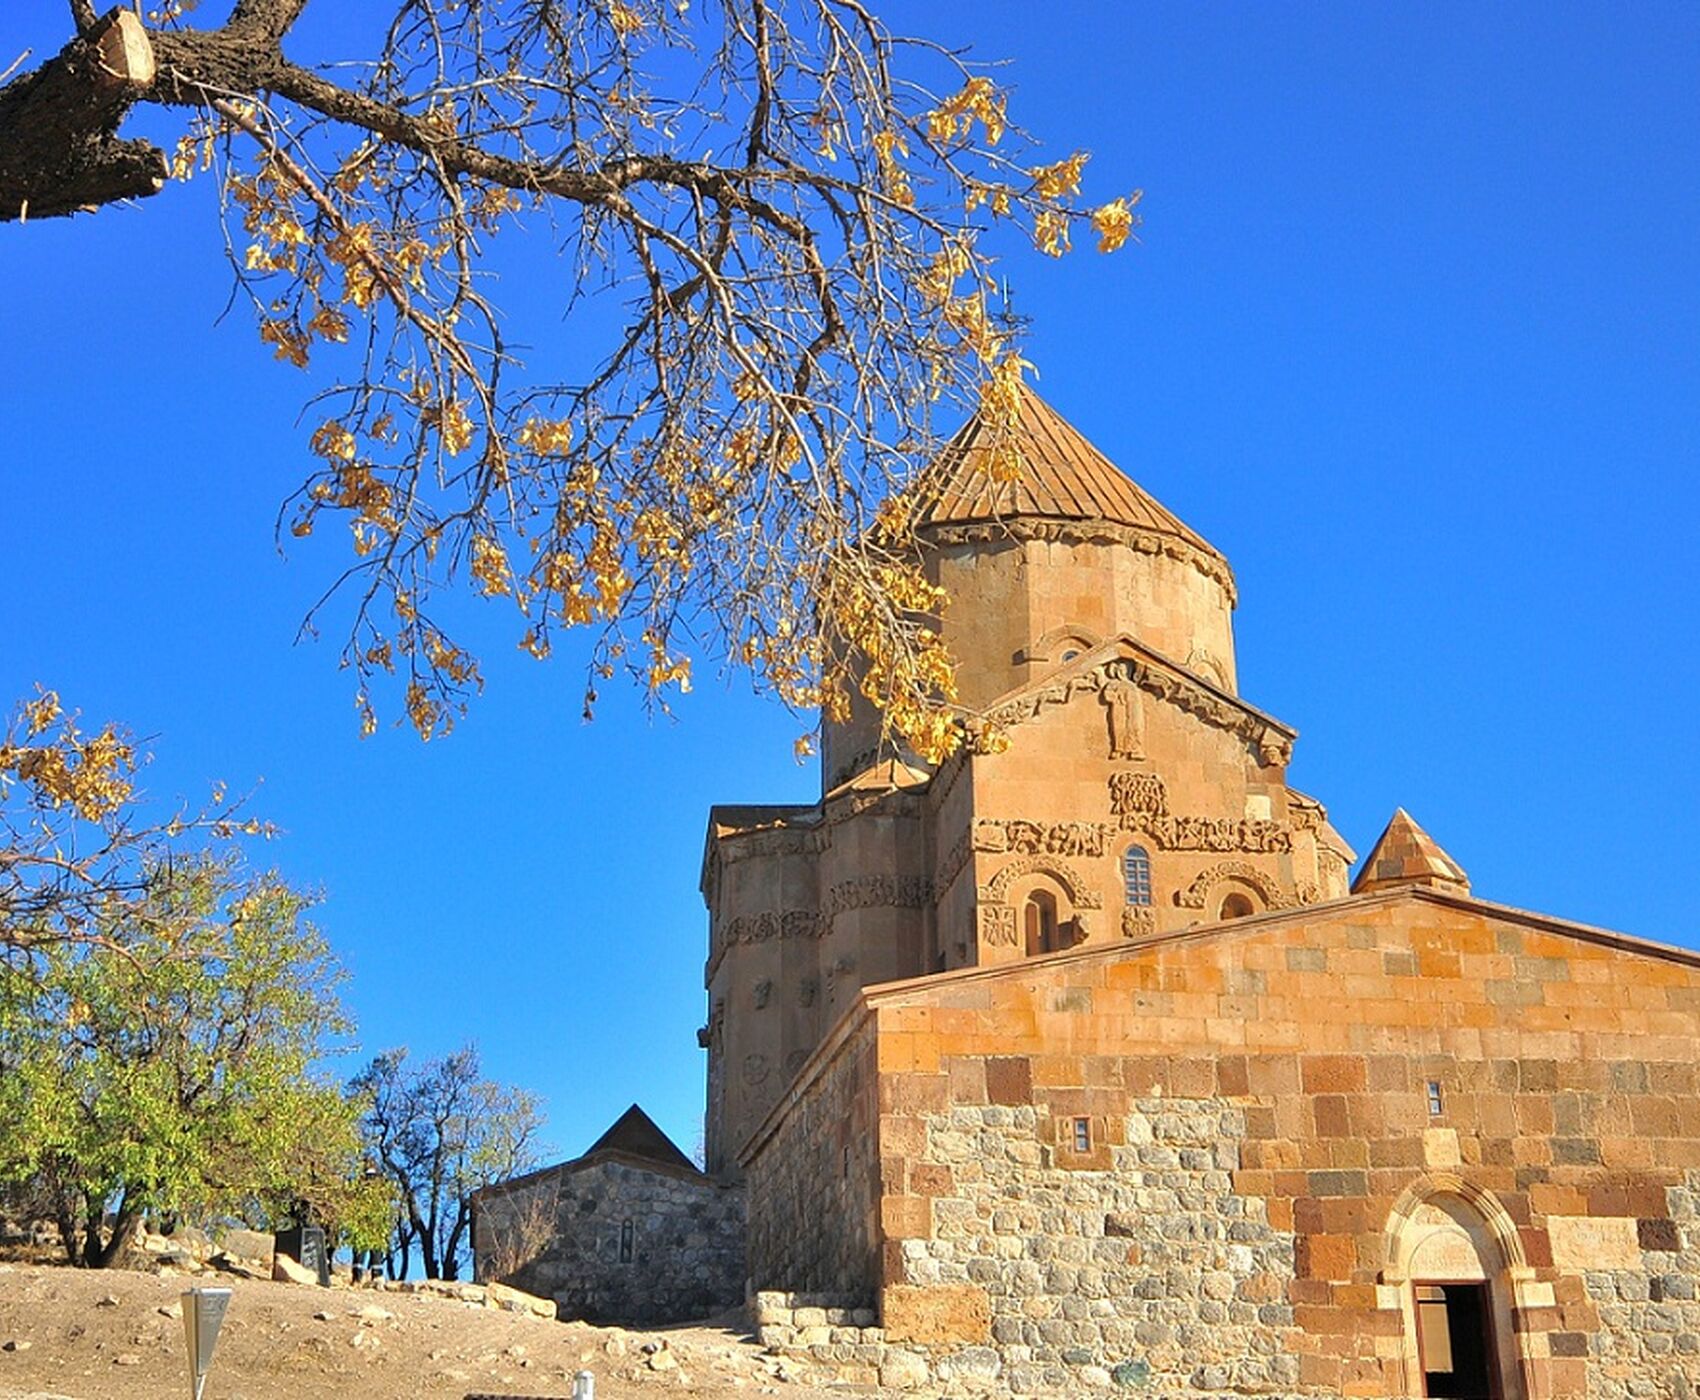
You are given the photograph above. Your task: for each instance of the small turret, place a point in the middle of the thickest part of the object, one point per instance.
(1405, 854)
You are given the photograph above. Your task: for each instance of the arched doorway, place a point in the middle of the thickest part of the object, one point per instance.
(1454, 1251)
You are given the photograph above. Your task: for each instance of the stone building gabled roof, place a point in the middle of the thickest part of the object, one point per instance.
(635, 1134)
(1405, 854)
(1065, 478)
(634, 1139)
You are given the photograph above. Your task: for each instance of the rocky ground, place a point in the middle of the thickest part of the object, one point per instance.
(73, 1334)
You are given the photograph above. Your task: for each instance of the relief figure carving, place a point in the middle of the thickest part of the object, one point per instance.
(1126, 716)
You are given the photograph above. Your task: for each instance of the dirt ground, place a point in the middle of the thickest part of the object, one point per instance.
(74, 1334)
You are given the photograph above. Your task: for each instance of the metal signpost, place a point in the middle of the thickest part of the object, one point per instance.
(203, 1315)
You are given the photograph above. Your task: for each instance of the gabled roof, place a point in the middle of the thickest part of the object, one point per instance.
(635, 1134)
(634, 1139)
(1405, 854)
(1064, 477)
(1165, 679)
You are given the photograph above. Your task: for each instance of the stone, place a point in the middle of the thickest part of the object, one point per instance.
(946, 1313)
(287, 1270)
(903, 1370)
(16, 1344)
(500, 1295)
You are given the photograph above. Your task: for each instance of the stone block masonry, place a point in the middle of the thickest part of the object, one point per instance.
(630, 1241)
(1232, 1162)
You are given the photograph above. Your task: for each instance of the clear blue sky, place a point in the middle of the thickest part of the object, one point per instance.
(1413, 336)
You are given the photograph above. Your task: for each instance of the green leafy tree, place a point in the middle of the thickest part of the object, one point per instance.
(441, 1130)
(165, 1065)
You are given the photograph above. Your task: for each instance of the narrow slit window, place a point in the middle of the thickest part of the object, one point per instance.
(1136, 875)
(626, 1233)
(1435, 1105)
(1082, 1134)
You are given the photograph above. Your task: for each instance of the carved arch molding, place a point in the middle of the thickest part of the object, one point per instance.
(1081, 894)
(1197, 894)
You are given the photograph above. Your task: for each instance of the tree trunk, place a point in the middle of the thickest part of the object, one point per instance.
(67, 1219)
(59, 149)
(122, 1226)
(93, 1214)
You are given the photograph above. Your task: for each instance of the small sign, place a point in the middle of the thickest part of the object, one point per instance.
(203, 1315)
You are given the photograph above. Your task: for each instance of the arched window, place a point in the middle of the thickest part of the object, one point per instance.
(1237, 906)
(1040, 921)
(1136, 875)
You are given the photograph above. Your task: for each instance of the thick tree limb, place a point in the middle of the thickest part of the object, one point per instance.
(59, 151)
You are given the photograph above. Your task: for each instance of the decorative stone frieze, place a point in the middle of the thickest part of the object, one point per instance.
(1251, 834)
(879, 892)
(951, 866)
(1138, 920)
(1040, 838)
(1029, 529)
(1272, 743)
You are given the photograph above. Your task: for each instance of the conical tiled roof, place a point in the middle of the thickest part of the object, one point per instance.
(1408, 855)
(1065, 477)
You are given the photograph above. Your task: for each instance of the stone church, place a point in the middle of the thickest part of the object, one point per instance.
(1081, 1062)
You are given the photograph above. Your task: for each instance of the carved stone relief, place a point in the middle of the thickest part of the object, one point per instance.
(1138, 921)
(1080, 894)
(1272, 743)
(1219, 834)
(879, 892)
(1040, 838)
(755, 1069)
(951, 866)
(1028, 529)
(997, 925)
(1138, 795)
(1141, 804)
(763, 992)
(808, 991)
(1126, 716)
(1197, 894)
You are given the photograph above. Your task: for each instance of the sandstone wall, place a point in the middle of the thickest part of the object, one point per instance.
(630, 1242)
(1262, 1149)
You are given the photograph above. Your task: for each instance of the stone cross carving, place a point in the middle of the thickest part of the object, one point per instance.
(1127, 718)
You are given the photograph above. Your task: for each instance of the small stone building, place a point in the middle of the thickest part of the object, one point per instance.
(1080, 1061)
(629, 1232)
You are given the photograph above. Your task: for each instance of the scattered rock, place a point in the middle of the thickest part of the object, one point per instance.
(499, 1295)
(107, 1300)
(126, 1358)
(372, 1314)
(16, 1344)
(249, 1244)
(175, 1310)
(323, 1316)
(287, 1270)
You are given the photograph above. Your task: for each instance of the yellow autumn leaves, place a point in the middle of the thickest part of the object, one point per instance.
(91, 774)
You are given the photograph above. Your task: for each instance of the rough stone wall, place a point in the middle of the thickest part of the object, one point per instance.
(813, 1182)
(1568, 1131)
(684, 1257)
(1154, 1270)
(1648, 1316)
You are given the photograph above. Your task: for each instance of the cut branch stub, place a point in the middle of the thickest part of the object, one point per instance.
(59, 149)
